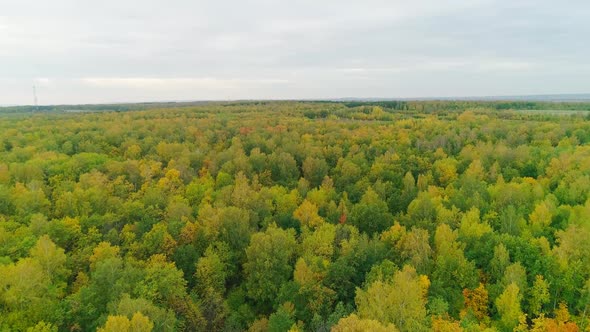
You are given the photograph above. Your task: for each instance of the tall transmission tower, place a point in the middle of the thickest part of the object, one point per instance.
(35, 97)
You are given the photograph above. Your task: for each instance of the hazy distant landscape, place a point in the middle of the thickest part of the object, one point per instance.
(577, 102)
(295, 166)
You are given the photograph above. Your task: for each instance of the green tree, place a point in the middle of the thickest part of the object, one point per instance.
(371, 214)
(164, 320)
(281, 320)
(499, 262)
(51, 258)
(269, 263)
(453, 272)
(314, 170)
(283, 168)
(508, 305)
(211, 271)
(539, 295)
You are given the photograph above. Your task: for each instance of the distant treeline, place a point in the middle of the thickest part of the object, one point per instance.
(96, 107)
(393, 105)
(464, 104)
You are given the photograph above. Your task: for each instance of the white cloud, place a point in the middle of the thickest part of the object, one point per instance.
(475, 65)
(154, 83)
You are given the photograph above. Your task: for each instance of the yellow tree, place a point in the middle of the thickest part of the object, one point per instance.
(476, 301)
(307, 214)
(353, 323)
(138, 323)
(401, 301)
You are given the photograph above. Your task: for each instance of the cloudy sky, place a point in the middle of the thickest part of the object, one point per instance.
(81, 51)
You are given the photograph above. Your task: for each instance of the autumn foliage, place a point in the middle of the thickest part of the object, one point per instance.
(296, 216)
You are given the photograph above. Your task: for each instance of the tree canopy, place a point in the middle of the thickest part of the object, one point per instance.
(296, 216)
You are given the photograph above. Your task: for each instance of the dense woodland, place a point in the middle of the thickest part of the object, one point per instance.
(297, 216)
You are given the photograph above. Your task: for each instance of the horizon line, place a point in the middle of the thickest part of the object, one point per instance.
(550, 97)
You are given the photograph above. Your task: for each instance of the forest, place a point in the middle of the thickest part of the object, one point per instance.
(297, 216)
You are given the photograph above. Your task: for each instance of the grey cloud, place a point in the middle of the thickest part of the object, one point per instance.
(90, 51)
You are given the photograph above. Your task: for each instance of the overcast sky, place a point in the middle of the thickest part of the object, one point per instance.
(79, 51)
